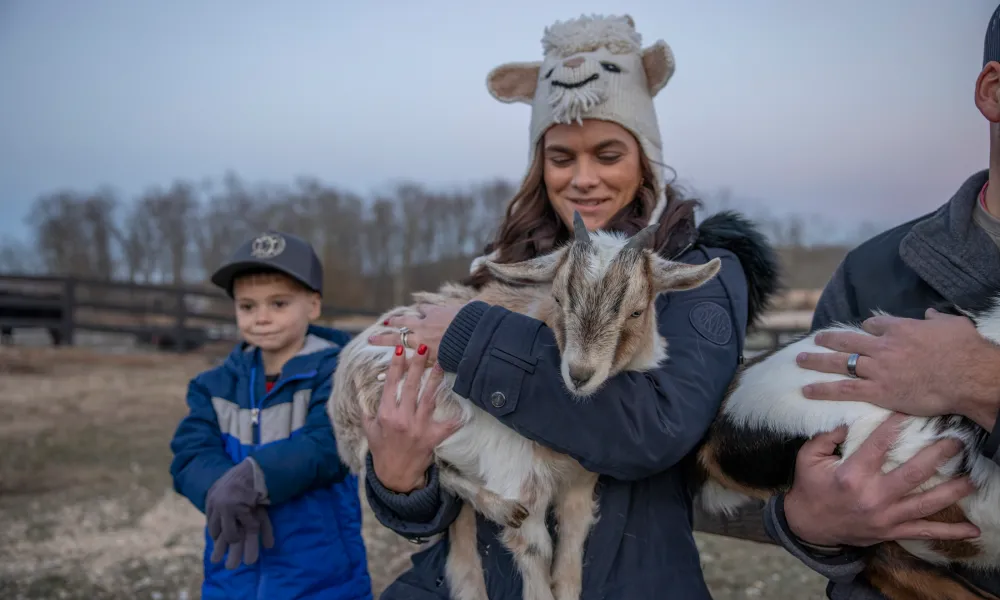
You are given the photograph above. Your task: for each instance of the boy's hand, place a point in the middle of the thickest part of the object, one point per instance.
(236, 520)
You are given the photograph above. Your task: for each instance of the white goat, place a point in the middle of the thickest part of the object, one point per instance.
(750, 452)
(597, 294)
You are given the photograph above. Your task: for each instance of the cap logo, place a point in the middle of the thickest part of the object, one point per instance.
(267, 245)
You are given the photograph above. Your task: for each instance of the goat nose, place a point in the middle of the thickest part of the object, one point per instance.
(574, 62)
(580, 376)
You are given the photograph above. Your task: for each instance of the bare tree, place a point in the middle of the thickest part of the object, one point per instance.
(76, 234)
(17, 257)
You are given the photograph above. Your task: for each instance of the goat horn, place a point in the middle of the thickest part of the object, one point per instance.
(641, 239)
(579, 229)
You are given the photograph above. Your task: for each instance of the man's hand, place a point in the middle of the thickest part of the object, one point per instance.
(931, 367)
(236, 520)
(856, 504)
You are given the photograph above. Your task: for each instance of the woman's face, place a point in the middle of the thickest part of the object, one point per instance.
(593, 169)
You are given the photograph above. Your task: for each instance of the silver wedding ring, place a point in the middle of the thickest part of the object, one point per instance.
(852, 365)
(402, 335)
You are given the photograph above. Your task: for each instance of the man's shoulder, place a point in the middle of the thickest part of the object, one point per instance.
(879, 255)
(874, 277)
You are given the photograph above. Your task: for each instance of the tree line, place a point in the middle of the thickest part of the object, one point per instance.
(375, 250)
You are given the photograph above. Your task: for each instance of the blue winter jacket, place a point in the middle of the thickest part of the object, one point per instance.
(314, 505)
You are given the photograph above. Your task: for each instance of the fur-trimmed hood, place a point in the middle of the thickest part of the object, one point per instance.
(730, 230)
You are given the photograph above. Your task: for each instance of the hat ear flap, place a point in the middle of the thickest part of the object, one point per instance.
(658, 62)
(514, 82)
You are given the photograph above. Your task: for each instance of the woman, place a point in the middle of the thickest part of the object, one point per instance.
(596, 150)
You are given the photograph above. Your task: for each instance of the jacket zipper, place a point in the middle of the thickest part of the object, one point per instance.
(255, 409)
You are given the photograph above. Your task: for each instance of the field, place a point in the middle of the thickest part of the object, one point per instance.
(87, 511)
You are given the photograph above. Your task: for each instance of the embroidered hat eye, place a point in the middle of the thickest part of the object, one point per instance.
(611, 67)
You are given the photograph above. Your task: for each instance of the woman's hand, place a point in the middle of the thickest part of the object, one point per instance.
(427, 329)
(402, 436)
(855, 504)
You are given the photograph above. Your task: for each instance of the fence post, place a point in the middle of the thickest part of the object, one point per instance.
(68, 307)
(180, 338)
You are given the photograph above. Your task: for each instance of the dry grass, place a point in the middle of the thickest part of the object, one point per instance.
(86, 509)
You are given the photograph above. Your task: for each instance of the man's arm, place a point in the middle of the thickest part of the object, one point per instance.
(837, 303)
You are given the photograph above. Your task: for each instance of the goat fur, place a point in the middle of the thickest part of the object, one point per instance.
(506, 477)
(750, 451)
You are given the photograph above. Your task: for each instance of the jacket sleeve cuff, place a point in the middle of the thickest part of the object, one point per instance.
(458, 334)
(419, 506)
(259, 483)
(840, 565)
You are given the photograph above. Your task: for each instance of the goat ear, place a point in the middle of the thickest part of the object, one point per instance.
(670, 276)
(541, 269)
(514, 82)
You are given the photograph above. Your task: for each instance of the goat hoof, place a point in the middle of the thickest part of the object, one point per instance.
(517, 516)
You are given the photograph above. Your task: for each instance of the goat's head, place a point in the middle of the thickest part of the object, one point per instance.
(604, 287)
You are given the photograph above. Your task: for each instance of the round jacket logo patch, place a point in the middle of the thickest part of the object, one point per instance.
(712, 322)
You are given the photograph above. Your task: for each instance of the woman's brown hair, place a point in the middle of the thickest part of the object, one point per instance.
(532, 228)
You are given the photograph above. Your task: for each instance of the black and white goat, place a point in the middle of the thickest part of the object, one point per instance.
(750, 452)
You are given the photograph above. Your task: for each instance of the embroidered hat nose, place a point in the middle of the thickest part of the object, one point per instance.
(574, 62)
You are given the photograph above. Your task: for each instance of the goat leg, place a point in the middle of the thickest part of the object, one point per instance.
(500, 510)
(575, 512)
(464, 567)
(531, 547)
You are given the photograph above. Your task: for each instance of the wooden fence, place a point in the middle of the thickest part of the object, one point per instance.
(170, 317)
(188, 317)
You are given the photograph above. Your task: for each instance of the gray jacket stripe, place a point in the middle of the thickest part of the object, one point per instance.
(233, 420)
(279, 421)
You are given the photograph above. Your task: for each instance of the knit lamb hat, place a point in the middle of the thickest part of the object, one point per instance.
(594, 68)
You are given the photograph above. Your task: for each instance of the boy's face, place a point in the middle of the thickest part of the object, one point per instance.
(272, 311)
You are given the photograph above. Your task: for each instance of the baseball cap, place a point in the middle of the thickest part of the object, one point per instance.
(276, 250)
(991, 46)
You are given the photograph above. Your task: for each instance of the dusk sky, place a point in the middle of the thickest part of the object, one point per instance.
(854, 110)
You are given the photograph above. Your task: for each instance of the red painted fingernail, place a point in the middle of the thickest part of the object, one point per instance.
(421, 349)
(386, 322)
(399, 350)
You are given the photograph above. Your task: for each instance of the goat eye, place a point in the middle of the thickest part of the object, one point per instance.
(549, 74)
(636, 314)
(556, 298)
(611, 67)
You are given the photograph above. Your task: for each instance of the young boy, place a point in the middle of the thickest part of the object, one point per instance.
(256, 452)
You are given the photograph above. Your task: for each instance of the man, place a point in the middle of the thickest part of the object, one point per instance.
(931, 366)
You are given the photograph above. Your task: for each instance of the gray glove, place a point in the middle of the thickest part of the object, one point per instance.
(237, 519)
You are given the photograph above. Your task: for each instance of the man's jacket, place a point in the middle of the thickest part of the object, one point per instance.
(314, 504)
